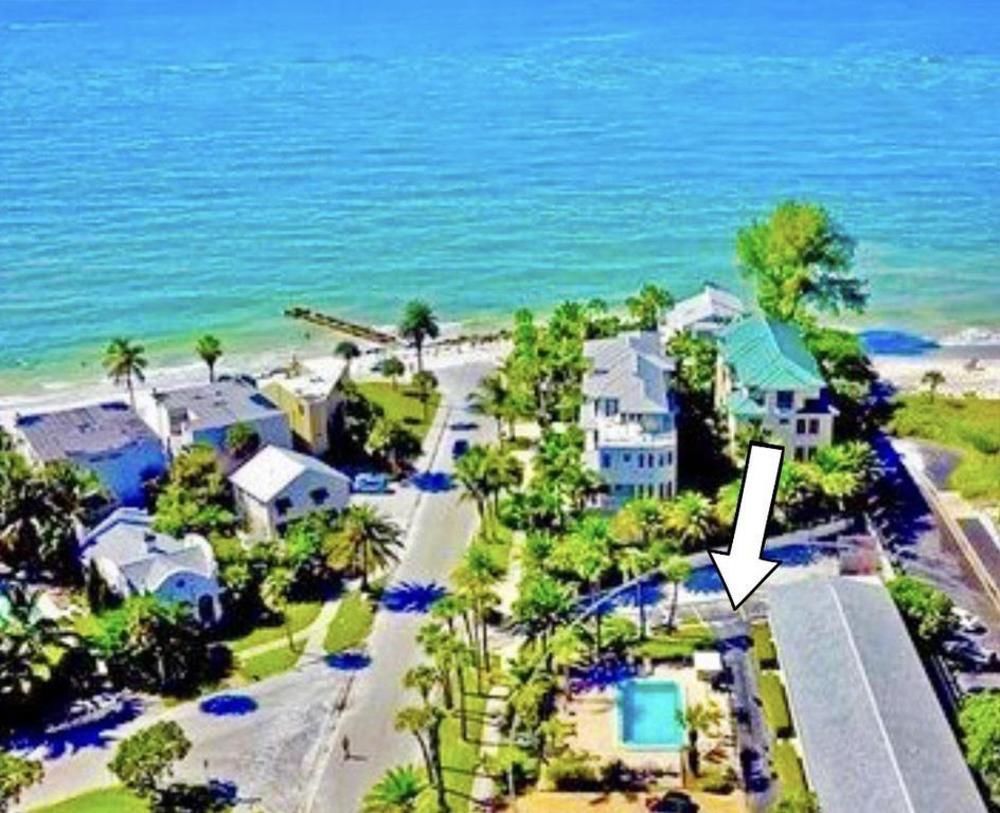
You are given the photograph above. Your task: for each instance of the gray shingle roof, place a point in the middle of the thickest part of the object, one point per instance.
(223, 403)
(631, 368)
(83, 431)
(874, 737)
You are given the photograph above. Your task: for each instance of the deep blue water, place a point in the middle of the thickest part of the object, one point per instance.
(170, 167)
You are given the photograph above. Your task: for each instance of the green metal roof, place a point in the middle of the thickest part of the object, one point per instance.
(769, 355)
(743, 406)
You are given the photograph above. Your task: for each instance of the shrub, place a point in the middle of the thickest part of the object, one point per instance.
(573, 770)
(788, 767)
(763, 646)
(717, 780)
(772, 695)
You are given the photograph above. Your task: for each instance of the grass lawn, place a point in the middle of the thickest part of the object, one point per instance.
(763, 646)
(788, 766)
(772, 695)
(98, 801)
(458, 757)
(401, 405)
(302, 614)
(351, 624)
(681, 643)
(270, 663)
(970, 426)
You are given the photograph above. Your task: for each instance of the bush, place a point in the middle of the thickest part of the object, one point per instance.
(788, 767)
(763, 646)
(717, 780)
(573, 770)
(772, 695)
(677, 645)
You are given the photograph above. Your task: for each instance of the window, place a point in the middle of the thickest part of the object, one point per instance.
(642, 460)
(670, 458)
(670, 490)
(282, 505)
(800, 453)
(663, 460)
(814, 426)
(627, 458)
(611, 406)
(319, 495)
(786, 399)
(811, 452)
(605, 460)
(800, 426)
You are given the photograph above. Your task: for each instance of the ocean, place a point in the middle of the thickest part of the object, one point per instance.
(169, 168)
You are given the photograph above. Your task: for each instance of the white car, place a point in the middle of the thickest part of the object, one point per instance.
(967, 622)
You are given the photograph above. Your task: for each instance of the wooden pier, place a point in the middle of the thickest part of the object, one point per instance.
(342, 326)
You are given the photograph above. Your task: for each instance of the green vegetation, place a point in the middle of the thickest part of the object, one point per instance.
(16, 776)
(196, 498)
(764, 649)
(681, 643)
(417, 325)
(772, 696)
(271, 662)
(351, 624)
(928, 612)
(788, 767)
(401, 405)
(145, 759)
(209, 349)
(969, 426)
(365, 541)
(460, 755)
(300, 614)
(98, 801)
(125, 363)
(979, 721)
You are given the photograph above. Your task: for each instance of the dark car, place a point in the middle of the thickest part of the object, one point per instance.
(459, 448)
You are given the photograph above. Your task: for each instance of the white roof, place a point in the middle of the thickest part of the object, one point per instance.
(712, 304)
(632, 368)
(707, 661)
(273, 469)
(319, 377)
(144, 557)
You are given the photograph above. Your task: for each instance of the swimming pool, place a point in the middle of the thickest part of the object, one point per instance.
(648, 716)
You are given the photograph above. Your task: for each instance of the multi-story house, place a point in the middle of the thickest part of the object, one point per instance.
(629, 417)
(310, 397)
(766, 376)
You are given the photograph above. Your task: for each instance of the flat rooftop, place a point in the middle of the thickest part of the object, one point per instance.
(83, 430)
(223, 403)
(873, 734)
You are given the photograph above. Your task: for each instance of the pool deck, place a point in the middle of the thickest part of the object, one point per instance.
(594, 715)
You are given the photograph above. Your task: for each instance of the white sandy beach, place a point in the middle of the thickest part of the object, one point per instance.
(960, 376)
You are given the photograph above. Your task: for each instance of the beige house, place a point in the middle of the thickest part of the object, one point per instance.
(310, 399)
(278, 486)
(766, 376)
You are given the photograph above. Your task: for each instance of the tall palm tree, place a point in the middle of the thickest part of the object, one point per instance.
(676, 570)
(396, 792)
(476, 579)
(348, 351)
(421, 678)
(586, 553)
(125, 362)
(274, 593)
(639, 521)
(648, 305)
(473, 475)
(417, 325)
(566, 649)
(424, 383)
(209, 350)
(493, 398)
(543, 603)
(370, 540)
(635, 563)
(689, 515)
(437, 645)
(504, 473)
(699, 718)
(424, 723)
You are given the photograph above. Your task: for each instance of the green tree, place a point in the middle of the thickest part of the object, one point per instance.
(932, 379)
(424, 723)
(798, 802)
(16, 776)
(196, 498)
(472, 474)
(927, 611)
(696, 359)
(424, 384)
(586, 554)
(209, 350)
(979, 721)
(145, 759)
(275, 593)
(417, 325)
(634, 563)
(676, 570)
(800, 260)
(393, 442)
(393, 369)
(476, 579)
(543, 602)
(397, 791)
(125, 362)
(689, 516)
(348, 351)
(368, 540)
(494, 399)
(242, 440)
(698, 719)
(648, 305)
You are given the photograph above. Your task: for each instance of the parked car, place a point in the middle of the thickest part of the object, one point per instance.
(459, 448)
(370, 483)
(968, 622)
(969, 655)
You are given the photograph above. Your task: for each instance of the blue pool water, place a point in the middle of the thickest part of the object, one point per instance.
(648, 714)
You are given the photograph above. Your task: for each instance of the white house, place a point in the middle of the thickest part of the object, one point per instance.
(629, 417)
(134, 559)
(705, 314)
(108, 439)
(205, 413)
(277, 486)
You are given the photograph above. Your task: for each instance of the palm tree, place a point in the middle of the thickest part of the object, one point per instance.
(699, 718)
(417, 325)
(393, 442)
(125, 362)
(393, 369)
(423, 679)
(424, 723)
(586, 553)
(566, 649)
(634, 563)
(543, 603)
(424, 383)
(476, 579)
(369, 539)
(437, 645)
(396, 792)
(648, 305)
(348, 351)
(689, 515)
(274, 593)
(209, 350)
(727, 499)
(639, 521)
(493, 399)
(932, 379)
(472, 474)
(676, 570)
(504, 473)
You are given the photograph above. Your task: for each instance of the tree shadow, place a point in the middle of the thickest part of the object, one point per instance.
(412, 597)
(600, 676)
(215, 796)
(432, 482)
(229, 705)
(84, 727)
(350, 661)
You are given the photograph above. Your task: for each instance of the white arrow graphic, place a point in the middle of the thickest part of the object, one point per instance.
(742, 567)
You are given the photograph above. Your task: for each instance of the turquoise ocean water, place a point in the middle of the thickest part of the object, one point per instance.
(169, 167)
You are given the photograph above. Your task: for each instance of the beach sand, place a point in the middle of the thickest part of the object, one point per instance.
(955, 363)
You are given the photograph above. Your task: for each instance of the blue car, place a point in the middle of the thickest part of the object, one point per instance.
(369, 483)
